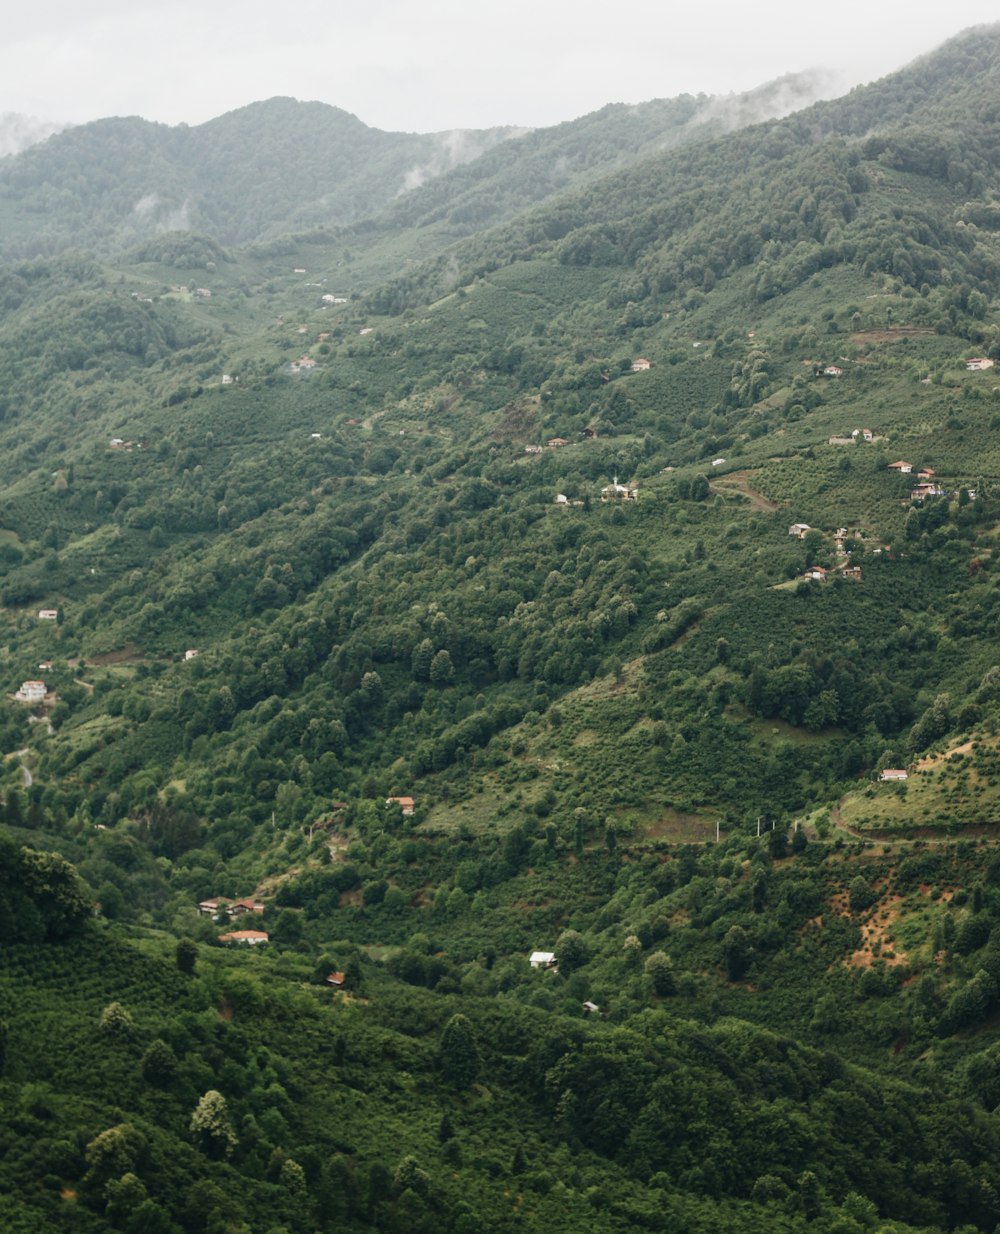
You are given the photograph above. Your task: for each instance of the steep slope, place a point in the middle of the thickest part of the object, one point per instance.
(106, 184)
(584, 538)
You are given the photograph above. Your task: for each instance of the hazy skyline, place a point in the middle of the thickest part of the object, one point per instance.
(444, 64)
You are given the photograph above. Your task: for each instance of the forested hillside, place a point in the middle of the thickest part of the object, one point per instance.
(501, 713)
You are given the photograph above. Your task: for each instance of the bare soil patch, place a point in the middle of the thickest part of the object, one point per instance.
(739, 482)
(129, 654)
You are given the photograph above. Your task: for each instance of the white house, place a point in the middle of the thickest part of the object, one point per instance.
(562, 499)
(799, 530)
(406, 804)
(542, 959)
(48, 614)
(191, 653)
(831, 370)
(893, 773)
(640, 365)
(31, 692)
(902, 467)
(978, 363)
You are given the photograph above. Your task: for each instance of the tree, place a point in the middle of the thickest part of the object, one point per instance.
(442, 669)
(210, 1125)
(458, 1053)
(737, 952)
(159, 1064)
(113, 1153)
(410, 1176)
(660, 970)
(860, 895)
(116, 1021)
(421, 659)
(571, 950)
(186, 955)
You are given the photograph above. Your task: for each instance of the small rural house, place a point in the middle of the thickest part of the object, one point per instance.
(249, 905)
(815, 574)
(555, 442)
(542, 959)
(405, 804)
(893, 774)
(336, 980)
(227, 379)
(867, 434)
(901, 468)
(534, 450)
(48, 614)
(31, 692)
(244, 938)
(978, 363)
(191, 653)
(212, 908)
(590, 1008)
(640, 365)
(562, 499)
(831, 370)
(799, 530)
(852, 572)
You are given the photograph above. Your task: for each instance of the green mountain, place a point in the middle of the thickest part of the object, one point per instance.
(536, 565)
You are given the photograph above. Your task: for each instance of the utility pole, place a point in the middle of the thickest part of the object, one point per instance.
(718, 823)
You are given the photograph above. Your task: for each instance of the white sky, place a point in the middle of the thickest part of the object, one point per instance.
(441, 64)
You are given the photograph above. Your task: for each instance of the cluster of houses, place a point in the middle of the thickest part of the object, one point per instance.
(555, 443)
(223, 906)
(927, 486)
(818, 574)
(610, 493)
(546, 960)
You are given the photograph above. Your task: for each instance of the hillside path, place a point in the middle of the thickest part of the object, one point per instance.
(738, 482)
